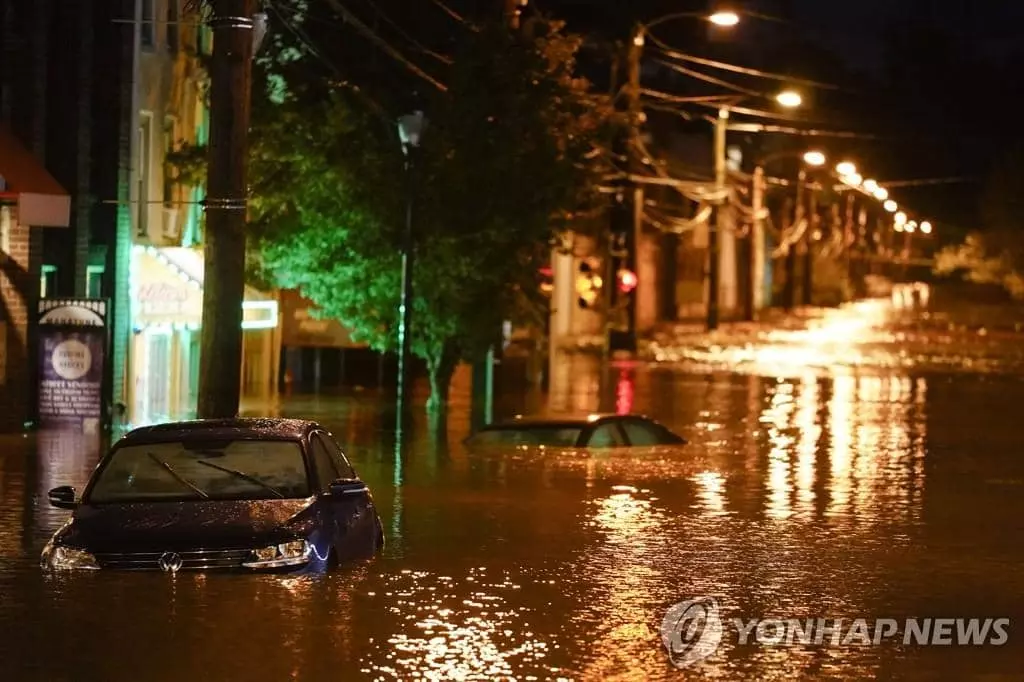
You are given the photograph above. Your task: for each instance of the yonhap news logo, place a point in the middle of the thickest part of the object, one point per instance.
(693, 630)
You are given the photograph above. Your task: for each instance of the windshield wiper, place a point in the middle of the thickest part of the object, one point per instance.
(242, 475)
(178, 477)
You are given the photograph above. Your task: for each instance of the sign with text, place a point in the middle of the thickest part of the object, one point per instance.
(73, 340)
(303, 328)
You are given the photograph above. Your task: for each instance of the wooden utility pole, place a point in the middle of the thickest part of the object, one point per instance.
(220, 365)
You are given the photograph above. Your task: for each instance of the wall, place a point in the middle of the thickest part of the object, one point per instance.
(18, 296)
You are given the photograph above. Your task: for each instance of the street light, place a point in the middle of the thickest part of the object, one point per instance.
(814, 158)
(926, 227)
(900, 218)
(870, 186)
(789, 99)
(852, 179)
(891, 206)
(911, 226)
(846, 168)
(881, 193)
(724, 19)
(410, 131)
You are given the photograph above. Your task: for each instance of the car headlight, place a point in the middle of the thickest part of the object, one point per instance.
(286, 554)
(68, 558)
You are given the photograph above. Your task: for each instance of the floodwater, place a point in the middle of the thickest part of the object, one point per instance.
(809, 490)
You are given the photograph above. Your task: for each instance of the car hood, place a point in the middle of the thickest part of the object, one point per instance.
(161, 526)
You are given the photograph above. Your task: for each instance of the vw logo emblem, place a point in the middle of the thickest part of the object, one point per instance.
(170, 562)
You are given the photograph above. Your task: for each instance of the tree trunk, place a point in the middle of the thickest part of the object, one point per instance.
(441, 368)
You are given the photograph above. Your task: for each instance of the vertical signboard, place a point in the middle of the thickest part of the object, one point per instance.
(73, 348)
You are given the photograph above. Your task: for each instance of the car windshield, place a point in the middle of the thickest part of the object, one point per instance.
(218, 470)
(550, 436)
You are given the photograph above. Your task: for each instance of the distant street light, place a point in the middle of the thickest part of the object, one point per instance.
(410, 131)
(881, 193)
(891, 206)
(846, 168)
(789, 99)
(900, 218)
(814, 158)
(911, 226)
(853, 179)
(724, 18)
(870, 186)
(926, 227)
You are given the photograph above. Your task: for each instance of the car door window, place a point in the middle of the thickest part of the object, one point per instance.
(341, 462)
(326, 471)
(643, 434)
(606, 436)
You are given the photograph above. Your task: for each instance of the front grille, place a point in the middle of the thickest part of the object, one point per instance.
(191, 560)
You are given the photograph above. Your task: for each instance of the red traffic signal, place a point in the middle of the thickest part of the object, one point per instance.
(627, 280)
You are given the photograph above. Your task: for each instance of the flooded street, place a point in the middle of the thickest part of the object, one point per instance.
(825, 479)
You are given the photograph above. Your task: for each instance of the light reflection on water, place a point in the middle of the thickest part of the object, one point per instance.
(799, 496)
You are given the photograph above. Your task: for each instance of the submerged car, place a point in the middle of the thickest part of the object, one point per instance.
(274, 495)
(591, 431)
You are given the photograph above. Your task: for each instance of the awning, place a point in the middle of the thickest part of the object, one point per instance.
(167, 291)
(40, 199)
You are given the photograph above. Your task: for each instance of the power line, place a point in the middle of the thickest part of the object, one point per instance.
(402, 32)
(928, 181)
(452, 13)
(384, 45)
(765, 128)
(682, 56)
(710, 79)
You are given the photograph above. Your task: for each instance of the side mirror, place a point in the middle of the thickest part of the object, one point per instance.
(347, 487)
(63, 497)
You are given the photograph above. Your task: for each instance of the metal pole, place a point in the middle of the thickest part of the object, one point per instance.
(224, 267)
(405, 309)
(755, 295)
(721, 124)
(791, 248)
(812, 226)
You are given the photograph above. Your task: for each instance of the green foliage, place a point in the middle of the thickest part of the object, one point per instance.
(995, 255)
(508, 159)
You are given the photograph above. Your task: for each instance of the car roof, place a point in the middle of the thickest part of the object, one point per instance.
(271, 428)
(557, 421)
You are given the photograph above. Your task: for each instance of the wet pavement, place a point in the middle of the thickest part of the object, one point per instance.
(812, 487)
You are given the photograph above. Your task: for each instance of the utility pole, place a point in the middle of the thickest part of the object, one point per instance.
(628, 211)
(790, 290)
(812, 226)
(224, 270)
(717, 222)
(755, 292)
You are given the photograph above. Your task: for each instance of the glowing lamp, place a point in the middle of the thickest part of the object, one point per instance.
(814, 158)
(846, 168)
(926, 227)
(789, 99)
(724, 19)
(627, 281)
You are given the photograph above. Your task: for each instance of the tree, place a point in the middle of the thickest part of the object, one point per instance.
(995, 254)
(511, 155)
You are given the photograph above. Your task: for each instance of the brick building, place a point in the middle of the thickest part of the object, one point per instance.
(66, 97)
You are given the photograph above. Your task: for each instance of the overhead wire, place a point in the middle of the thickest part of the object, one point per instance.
(710, 79)
(388, 49)
(405, 34)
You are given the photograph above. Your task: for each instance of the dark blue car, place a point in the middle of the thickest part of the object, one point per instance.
(273, 495)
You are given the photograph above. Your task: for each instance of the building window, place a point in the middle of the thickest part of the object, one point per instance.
(145, 142)
(94, 281)
(172, 25)
(148, 28)
(169, 128)
(48, 281)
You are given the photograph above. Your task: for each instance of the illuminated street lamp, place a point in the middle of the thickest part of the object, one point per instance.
(846, 168)
(724, 19)
(789, 99)
(900, 218)
(870, 186)
(881, 193)
(852, 180)
(926, 227)
(891, 206)
(814, 158)
(911, 226)
(899, 227)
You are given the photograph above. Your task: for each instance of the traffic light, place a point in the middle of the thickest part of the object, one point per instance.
(588, 284)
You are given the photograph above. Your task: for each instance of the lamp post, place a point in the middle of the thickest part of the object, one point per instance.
(410, 130)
